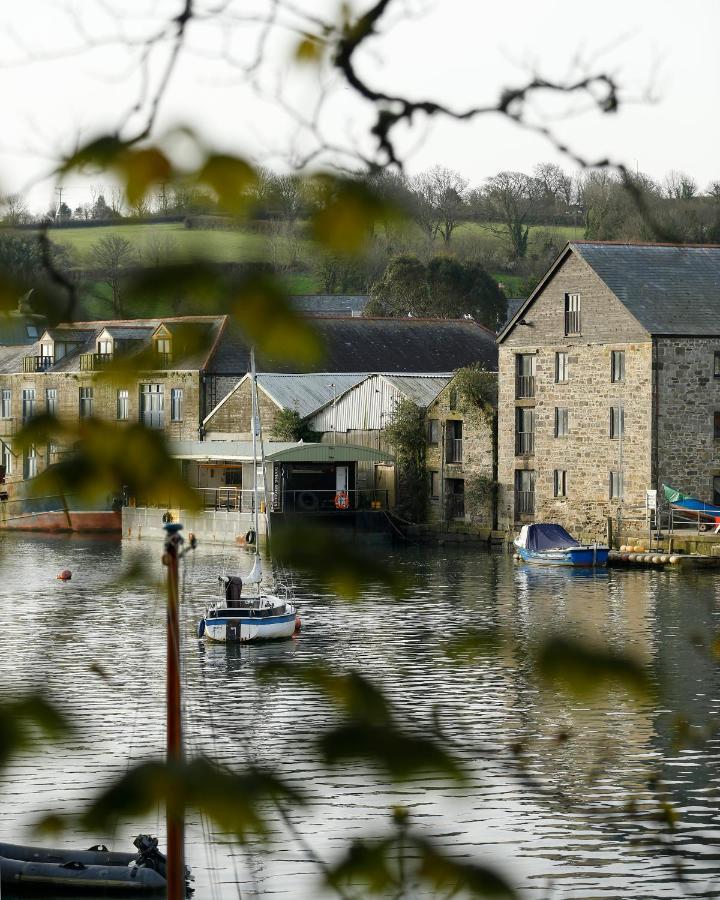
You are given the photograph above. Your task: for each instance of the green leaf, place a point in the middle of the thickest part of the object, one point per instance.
(346, 568)
(101, 153)
(370, 863)
(309, 49)
(446, 873)
(401, 755)
(584, 669)
(26, 721)
(142, 170)
(348, 211)
(237, 802)
(231, 178)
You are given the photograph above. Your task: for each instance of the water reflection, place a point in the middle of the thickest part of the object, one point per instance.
(98, 644)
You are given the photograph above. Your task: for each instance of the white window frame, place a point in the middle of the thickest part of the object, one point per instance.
(122, 405)
(573, 324)
(617, 423)
(176, 404)
(85, 402)
(6, 403)
(561, 370)
(617, 366)
(51, 408)
(28, 403)
(559, 482)
(562, 421)
(30, 467)
(615, 485)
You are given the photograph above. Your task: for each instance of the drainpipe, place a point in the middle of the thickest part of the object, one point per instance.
(496, 489)
(654, 436)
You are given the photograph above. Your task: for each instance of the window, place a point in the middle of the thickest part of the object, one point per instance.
(176, 405)
(152, 405)
(561, 368)
(46, 350)
(31, 331)
(28, 403)
(524, 431)
(51, 401)
(717, 426)
(233, 477)
(105, 348)
(524, 492)
(716, 490)
(6, 404)
(453, 441)
(572, 313)
(435, 484)
(525, 375)
(616, 485)
(123, 402)
(455, 498)
(559, 483)
(433, 431)
(617, 366)
(86, 402)
(30, 463)
(716, 370)
(561, 421)
(617, 422)
(7, 458)
(162, 345)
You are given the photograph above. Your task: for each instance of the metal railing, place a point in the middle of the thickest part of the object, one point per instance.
(453, 450)
(524, 387)
(38, 363)
(524, 503)
(91, 362)
(691, 519)
(524, 443)
(455, 506)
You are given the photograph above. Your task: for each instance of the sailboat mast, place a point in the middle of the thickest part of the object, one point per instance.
(255, 429)
(175, 812)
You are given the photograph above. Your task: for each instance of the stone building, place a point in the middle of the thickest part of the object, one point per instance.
(460, 460)
(609, 385)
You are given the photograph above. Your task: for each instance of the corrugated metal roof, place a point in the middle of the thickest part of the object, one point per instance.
(670, 289)
(307, 393)
(275, 451)
(421, 389)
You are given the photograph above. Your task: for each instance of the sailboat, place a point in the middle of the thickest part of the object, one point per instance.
(239, 616)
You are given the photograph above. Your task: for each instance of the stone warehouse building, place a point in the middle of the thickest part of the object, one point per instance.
(609, 385)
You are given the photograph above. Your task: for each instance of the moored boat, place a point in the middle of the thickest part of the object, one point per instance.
(547, 544)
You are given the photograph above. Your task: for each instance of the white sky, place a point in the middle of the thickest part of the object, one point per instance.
(56, 90)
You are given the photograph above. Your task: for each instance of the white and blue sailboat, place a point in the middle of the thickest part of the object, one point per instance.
(546, 544)
(252, 614)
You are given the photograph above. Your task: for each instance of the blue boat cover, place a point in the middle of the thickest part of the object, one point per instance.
(549, 537)
(684, 501)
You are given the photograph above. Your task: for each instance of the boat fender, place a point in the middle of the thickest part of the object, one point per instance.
(201, 628)
(167, 517)
(65, 575)
(250, 537)
(298, 624)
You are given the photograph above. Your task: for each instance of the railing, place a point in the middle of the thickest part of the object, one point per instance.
(453, 450)
(91, 362)
(38, 363)
(524, 503)
(686, 518)
(161, 360)
(524, 387)
(524, 443)
(455, 506)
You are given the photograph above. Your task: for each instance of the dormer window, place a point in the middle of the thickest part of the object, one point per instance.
(105, 347)
(162, 345)
(46, 350)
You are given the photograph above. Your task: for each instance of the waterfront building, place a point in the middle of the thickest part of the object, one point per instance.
(609, 385)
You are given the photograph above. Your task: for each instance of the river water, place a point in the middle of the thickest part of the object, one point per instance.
(97, 645)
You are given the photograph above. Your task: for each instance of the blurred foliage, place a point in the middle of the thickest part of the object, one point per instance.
(407, 435)
(25, 722)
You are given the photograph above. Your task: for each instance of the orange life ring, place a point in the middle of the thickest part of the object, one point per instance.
(342, 500)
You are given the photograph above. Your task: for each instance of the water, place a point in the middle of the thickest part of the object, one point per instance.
(98, 646)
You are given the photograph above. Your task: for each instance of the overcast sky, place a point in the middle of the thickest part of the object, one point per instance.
(66, 76)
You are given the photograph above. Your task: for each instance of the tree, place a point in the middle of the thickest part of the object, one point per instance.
(511, 199)
(439, 201)
(443, 287)
(14, 210)
(407, 435)
(679, 186)
(112, 255)
(100, 209)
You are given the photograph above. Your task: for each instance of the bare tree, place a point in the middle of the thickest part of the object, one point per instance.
(14, 210)
(112, 255)
(159, 247)
(439, 201)
(511, 198)
(679, 186)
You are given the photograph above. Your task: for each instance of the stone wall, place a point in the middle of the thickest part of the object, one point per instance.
(477, 458)
(688, 396)
(233, 417)
(587, 453)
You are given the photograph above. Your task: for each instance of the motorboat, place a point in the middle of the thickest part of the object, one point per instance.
(547, 544)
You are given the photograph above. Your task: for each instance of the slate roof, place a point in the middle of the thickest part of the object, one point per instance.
(374, 345)
(670, 289)
(16, 328)
(330, 304)
(11, 359)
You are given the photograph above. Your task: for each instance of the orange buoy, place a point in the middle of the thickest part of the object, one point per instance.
(298, 624)
(65, 575)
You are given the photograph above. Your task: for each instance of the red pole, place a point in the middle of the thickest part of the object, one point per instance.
(175, 813)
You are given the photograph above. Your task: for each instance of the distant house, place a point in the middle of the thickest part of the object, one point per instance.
(609, 385)
(330, 304)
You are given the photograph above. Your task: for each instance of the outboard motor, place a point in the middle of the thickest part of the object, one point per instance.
(150, 857)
